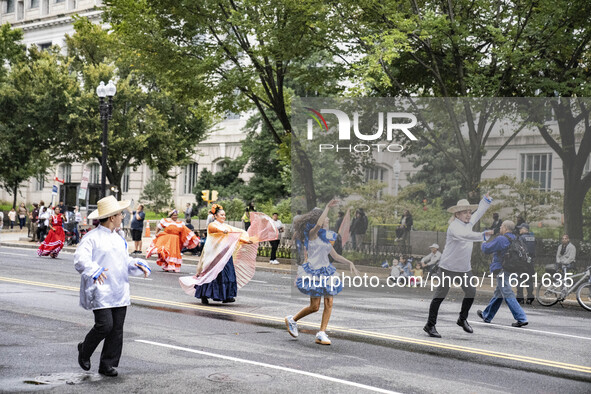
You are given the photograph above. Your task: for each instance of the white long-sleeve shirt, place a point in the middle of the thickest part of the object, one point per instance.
(100, 249)
(569, 255)
(431, 259)
(460, 239)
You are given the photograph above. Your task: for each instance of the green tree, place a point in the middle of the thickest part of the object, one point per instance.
(226, 182)
(523, 198)
(149, 125)
(157, 193)
(239, 54)
(36, 96)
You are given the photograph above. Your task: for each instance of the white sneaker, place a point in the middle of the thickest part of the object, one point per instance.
(292, 326)
(322, 338)
(274, 262)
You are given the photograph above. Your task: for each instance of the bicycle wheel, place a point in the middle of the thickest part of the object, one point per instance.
(584, 296)
(548, 295)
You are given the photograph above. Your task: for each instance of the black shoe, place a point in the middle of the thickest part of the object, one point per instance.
(480, 315)
(464, 324)
(519, 324)
(109, 371)
(431, 331)
(204, 301)
(520, 300)
(530, 301)
(228, 300)
(84, 364)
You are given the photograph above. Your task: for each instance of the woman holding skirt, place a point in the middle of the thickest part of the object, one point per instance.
(317, 276)
(54, 241)
(216, 277)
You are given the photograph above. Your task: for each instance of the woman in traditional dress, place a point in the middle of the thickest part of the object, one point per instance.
(316, 277)
(171, 237)
(216, 277)
(54, 241)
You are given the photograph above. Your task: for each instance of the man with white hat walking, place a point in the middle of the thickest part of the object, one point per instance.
(455, 260)
(103, 261)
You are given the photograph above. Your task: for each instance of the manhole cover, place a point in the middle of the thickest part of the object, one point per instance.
(240, 377)
(63, 378)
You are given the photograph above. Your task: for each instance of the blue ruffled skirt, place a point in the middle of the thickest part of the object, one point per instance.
(319, 282)
(223, 287)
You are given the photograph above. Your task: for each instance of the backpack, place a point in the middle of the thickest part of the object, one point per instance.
(516, 258)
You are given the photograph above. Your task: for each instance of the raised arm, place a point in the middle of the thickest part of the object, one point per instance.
(322, 218)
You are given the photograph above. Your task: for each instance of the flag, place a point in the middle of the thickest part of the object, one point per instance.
(385, 264)
(345, 227)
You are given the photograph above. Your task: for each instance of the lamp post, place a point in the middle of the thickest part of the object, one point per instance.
(106, 111)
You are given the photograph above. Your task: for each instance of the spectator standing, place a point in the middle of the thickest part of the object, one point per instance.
(77, 221)
(12, 217)
(246, 219)
(22, 215)
(498, 246)
(496, 224)
(403, 230)
(529, 240)
(137, 226)
(1, 220)
(358, 228)
(188, 211)
(275, 243)
(566, 254)
(34, 220)
(62, 207)
(43, 223)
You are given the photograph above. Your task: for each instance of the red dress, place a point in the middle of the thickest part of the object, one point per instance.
(54, 242)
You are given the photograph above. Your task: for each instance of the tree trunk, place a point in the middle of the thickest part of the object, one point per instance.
(304, 169)
(14, 193)
(574, 197)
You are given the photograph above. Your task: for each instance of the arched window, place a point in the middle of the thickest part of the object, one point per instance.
(95, 171)
(190, 178)
(220, 164)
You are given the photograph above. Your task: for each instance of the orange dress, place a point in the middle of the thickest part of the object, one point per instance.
(173, 237)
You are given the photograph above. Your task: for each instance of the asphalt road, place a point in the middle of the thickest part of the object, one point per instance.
(173, 344)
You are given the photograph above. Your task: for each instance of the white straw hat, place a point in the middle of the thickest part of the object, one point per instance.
(108, 206)
(462, 205)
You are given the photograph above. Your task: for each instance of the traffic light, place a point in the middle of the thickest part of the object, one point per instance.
(205, 195)
(214, 195)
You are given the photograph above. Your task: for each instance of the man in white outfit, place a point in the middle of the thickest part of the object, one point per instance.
(455, 260)
(105, 266)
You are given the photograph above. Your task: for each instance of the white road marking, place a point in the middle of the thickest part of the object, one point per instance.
(139, 278)
(526, 330)
(258, 281)
(241, 360)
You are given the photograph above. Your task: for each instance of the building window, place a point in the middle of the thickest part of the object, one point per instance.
(220, 165)
(59, 1)
(95, 171)
(537, 167)
(125, 181)
(375, 174)
(65, 172)
(34, 4)
(45, 46)
(40, 182)
(190, 178)
(9, 7)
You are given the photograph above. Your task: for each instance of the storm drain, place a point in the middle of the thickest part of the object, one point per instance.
(63, 378)
(241, 377)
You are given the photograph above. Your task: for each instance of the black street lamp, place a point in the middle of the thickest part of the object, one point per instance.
(106, 110)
